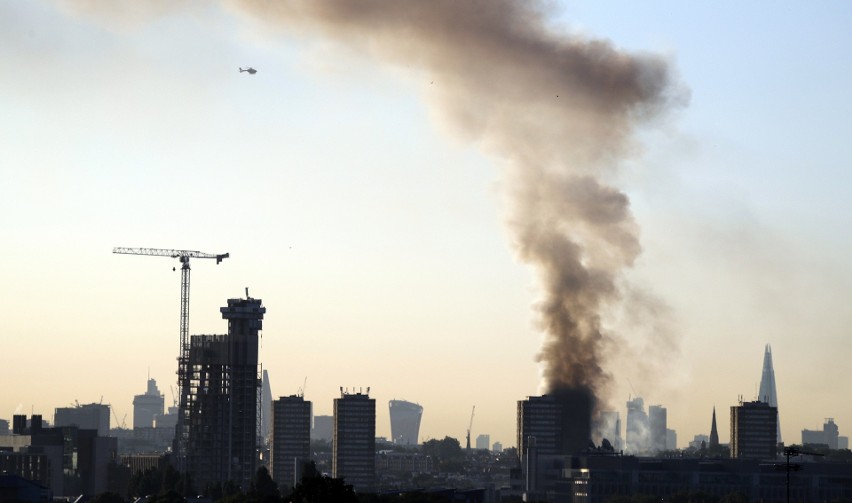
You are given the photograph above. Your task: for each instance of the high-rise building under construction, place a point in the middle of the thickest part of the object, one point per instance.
(223, 400)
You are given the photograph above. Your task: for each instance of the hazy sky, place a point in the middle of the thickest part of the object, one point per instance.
(377, 238)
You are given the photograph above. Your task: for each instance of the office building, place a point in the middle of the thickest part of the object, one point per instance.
(657, 423)
(699, 442)
(753, 430)
(67, 459)
(323, 428)
(405, 422)
(483, 441)
(671, 439)
(768, 393)
(291, 440)
(222, 413)
(497, 447)
(637, 434)
(599, 479)
(93, 416)
(266, 413)
(828, 436)
(148, 406)
(354, 445)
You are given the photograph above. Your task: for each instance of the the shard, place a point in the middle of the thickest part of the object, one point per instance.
(767, 392)
(266, 414)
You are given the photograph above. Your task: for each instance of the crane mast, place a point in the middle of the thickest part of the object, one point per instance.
(183, 359)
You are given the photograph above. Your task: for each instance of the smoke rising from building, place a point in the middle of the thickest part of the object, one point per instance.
(560, 109)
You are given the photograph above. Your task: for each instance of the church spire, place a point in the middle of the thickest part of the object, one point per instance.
(714, 435)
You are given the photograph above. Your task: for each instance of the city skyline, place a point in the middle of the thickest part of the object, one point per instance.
(376, 235)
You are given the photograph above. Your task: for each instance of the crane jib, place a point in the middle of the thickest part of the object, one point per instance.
(179, 254)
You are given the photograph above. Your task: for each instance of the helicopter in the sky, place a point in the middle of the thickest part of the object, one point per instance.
(250, 70)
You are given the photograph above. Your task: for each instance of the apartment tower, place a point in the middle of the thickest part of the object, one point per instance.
(354, 449)
(291, 440)
(753, 429)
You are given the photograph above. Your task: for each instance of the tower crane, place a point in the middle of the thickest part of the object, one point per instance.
(183, 359)
(470, 426)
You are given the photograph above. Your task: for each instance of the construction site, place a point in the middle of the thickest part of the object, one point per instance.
(219, 382)
(224, 392)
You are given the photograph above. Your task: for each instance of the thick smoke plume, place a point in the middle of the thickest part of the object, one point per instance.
(560, 109)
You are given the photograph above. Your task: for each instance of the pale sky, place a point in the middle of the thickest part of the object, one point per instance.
(376, 238)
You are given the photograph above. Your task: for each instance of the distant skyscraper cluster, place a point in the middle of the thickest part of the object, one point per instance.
(828, 436)
(646, 433)
(231, 418)
(609, 429)
(93, 416)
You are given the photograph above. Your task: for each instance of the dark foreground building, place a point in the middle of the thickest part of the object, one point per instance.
(354, 446)
(598, 478)
(291, 440)
(753, 430)
(20, 490)
(68, 460)
(551, 426)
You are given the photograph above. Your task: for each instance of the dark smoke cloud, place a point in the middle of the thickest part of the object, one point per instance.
(558, 108)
